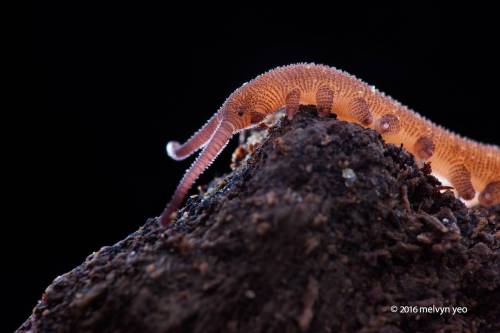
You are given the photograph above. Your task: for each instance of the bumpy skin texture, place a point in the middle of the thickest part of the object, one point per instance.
(472, 168)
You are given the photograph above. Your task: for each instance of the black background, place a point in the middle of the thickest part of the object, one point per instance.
(109, 84)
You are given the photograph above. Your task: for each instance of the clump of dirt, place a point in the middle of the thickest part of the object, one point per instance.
(322, 228)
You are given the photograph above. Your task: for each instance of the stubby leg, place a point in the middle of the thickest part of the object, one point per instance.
(360, 111)
(388, 124)
(460, 179)
(424, 147)
(491, 194)
(324, 100)
(292, 101)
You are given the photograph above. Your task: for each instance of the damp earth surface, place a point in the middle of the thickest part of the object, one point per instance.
(319, 227)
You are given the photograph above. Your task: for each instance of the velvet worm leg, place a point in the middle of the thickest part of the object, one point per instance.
(460, 179)
(292, 101)
(388, 124)
(324, 101)
(491, 194)
(424, 147)
(179, 152)
(219, 140)
(360, 111)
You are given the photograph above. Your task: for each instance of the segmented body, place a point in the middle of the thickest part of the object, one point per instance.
(472, 168)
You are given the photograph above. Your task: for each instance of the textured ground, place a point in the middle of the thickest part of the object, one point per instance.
(321, 228)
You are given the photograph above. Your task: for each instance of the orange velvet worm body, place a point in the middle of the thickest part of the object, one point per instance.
(472, 168)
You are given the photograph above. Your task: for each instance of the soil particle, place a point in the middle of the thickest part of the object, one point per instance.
(320, 227)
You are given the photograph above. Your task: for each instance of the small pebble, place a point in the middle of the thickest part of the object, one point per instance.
(203, 268)
(250, 294)
(185, 245)
(271, 198)
(349, 176)
(311, 244)
(263, 228)
(423, 238)
(326, 140)
(319, 220)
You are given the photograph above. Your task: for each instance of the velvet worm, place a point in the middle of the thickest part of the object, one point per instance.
(472, 168)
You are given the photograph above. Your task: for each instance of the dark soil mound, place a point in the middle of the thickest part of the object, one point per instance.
(323, 229)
